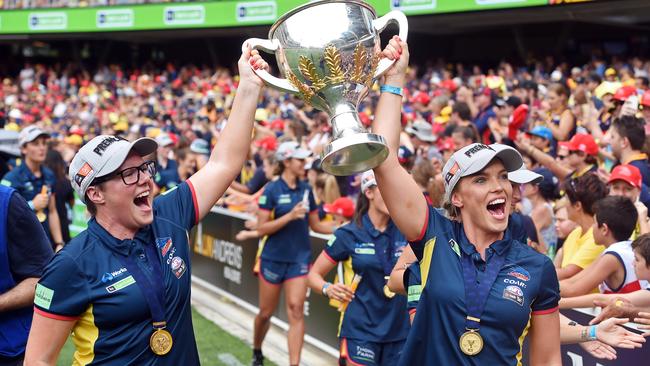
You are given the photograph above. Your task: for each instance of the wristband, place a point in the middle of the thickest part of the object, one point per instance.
(325, 287)
(391, 89)
(592, 333)
(30, 204)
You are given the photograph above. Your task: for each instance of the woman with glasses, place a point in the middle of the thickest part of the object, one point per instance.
(483, 290)
(123, 285)
(287, 210)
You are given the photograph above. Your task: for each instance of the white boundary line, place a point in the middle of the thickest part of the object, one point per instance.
(253, 309)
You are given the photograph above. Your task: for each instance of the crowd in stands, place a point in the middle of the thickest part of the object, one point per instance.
(583, 128)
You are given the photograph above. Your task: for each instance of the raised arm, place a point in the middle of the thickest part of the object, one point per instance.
(405, 202)
(229, 155)
(588, 279)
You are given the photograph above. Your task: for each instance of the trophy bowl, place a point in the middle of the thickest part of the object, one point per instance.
(329, 54)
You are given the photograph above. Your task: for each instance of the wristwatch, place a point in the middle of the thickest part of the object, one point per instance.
(325, 287)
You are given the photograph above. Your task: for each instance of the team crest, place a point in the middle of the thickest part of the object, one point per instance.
(164, 244)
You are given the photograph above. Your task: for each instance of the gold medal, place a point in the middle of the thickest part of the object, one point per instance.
(161, 342)
(388, 293)
(471, 343)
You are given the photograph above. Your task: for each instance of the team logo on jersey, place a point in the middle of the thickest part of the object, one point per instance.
(109, 276)
(178, 267)
(117, 286)
(519, 273)
(365, 248)
(164, 244)
(514, 294)
(284, 199)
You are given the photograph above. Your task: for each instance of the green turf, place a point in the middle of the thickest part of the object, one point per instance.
(211, 341)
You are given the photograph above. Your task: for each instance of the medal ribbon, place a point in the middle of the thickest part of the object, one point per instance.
(153, 291)
(477, 286)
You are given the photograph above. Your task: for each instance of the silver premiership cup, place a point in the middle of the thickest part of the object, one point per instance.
(329, 54)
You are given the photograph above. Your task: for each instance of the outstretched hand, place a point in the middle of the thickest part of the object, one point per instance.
(611, 332)
(599, 350)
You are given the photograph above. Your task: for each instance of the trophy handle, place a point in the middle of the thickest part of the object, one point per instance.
(380, 24)
(270, 47)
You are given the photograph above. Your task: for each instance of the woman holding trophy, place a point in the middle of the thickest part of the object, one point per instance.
(374, 321)
(485, 291)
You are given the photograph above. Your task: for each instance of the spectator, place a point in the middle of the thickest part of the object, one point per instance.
(63, 191)
(627, 137)
(613, 271)
(36, 183)
(580, 249)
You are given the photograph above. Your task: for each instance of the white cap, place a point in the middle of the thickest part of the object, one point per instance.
(367, 180)
(422, 130)
(291, 149)
(524, 176)
(102, 156)
(29, 134)
(475, 157)
(164, 140)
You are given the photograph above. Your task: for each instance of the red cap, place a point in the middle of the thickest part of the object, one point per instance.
(269, 143)
(517, 120)
(277, 124)
(449, 85)
(446, 144)
(421, 97)
(624, 92)
(341, 206)
(582, 142)
(645, 99)
(627, 173)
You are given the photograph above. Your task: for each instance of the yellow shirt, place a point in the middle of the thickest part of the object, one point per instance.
(579, 249)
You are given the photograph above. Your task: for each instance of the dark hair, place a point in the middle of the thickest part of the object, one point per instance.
(463, 111)
(641, 245)
(363, 203)
(467, 132)
(631, 128)
(619, 214)
(182, 154)
(586, 189)
(54, 161)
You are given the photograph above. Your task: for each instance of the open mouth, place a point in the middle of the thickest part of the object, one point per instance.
(497, 208)
(142, 200)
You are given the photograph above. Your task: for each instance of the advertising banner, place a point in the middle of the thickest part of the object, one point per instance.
(219, 259)
(215, 14)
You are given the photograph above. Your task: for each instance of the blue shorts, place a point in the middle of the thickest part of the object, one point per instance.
(358, 352)
(277, 272)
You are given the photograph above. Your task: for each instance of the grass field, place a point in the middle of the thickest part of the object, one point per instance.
(211, 340)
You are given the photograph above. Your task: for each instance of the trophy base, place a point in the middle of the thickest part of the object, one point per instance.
(354, 153)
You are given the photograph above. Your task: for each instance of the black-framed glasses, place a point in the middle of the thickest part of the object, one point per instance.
(131, 175)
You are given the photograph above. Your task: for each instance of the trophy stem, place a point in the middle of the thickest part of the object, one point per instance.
(353, 150)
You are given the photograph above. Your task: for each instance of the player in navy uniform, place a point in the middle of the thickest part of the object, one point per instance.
(375, 323)
(287, 211)
(123, 286)
(487, 291)
(35, 182)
